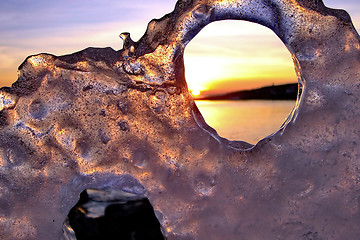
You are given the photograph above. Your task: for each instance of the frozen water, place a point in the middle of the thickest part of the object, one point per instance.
(124, 119)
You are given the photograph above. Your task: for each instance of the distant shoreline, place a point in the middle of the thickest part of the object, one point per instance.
(278, 92)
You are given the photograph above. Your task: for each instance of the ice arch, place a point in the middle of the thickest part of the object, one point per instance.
(125, 119)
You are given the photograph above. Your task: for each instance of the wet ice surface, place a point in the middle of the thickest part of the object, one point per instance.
(96, 201)
(124, 119)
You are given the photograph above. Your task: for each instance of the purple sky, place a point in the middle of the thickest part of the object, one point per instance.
(61, 27)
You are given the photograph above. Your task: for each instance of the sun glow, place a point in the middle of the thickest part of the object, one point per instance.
(195, 92)
(247, 56)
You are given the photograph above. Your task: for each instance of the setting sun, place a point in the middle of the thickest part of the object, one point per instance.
(237, 62)
(195, 92)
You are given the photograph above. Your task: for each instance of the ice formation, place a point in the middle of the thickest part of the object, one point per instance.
(125, 119)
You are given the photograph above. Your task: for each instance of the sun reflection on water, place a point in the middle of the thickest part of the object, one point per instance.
(249, 120)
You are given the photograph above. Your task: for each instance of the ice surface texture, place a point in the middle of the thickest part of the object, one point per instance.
(125, 119)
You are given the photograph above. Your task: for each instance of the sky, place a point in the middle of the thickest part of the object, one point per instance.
(225, 56)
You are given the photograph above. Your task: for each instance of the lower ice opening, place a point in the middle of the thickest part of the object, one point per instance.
(112, 214)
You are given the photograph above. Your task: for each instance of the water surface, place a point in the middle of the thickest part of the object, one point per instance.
(245, 120)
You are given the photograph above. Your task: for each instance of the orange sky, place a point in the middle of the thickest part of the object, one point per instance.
(245, 56)
(225, 56)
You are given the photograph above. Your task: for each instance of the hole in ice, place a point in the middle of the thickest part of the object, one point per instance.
(112, 214)
(229, 56)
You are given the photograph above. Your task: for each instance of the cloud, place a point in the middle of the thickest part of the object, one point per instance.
(61, 27)
(41, 14)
